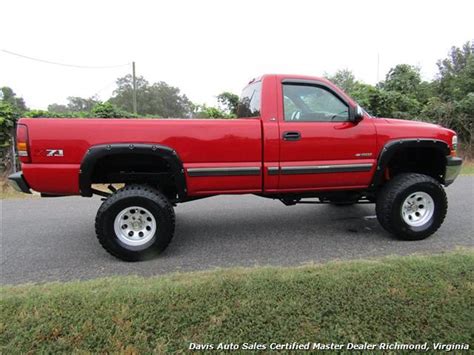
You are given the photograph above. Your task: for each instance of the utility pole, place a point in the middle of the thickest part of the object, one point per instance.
(134, 89)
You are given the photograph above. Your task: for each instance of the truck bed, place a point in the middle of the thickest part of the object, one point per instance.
(199, 143)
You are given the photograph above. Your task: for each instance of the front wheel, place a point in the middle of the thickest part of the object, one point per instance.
(411, 206)
(135, 223)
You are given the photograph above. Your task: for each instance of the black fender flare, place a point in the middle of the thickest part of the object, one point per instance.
(97, 152)
(393, 146)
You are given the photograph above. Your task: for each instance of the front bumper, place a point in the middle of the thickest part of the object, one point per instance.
(18, 182)
(453, 168)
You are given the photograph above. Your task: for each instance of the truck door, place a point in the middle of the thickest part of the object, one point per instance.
(320, 146)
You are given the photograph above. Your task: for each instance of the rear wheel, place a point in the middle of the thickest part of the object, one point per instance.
(135, 223)
(412, 206)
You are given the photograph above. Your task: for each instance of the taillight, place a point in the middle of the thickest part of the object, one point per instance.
(454, 145)
(22, 143)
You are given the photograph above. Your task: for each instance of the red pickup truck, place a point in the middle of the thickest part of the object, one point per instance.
(295, 138)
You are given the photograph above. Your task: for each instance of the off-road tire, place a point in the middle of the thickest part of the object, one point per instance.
(390, 201)
(142, 196)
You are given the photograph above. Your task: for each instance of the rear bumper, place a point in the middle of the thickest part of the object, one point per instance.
(18, 182)
(453, 168)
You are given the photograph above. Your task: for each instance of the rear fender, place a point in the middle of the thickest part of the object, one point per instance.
(107, 150)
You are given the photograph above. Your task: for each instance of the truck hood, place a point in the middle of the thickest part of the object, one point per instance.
(392, 129)
(396, 121)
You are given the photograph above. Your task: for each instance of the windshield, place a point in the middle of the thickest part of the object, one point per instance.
(249, 103)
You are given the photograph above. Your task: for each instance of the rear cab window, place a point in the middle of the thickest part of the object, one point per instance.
(249, 103)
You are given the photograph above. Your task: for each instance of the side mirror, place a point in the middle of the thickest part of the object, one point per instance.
(358, 114)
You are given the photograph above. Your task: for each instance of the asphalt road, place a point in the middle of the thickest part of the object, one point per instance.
(54, 239)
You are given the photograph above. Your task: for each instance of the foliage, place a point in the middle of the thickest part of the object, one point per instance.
(108, 110)
(78, 104)
(400, 299)
(8, 117)
(75, 104)
(456, 73)
(42, 114)
(101, 110)
(10, 111)
(58, 108)
(458, 115)
(11, 108)
(204, 111)
(345, 79)
(455, 90)
(229, 101)
(403, 78)
(152, 99)
(449, 100)
(7, 95)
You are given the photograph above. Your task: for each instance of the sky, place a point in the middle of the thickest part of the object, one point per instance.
(206, 47)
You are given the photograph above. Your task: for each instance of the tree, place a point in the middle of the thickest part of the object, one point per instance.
(403, 78)
(108, 110)
(375, 100)
(156, 99)
(204, 111)
(58, 108)
(123, 94)
(42, 114)
(79, 104)
(229, 101)
(11, 108)
(7, 95)
(406, 90)
(345, 79)
(361, 93)
(454, 104)
(167, 101)
(8, 117)
(456, 73)
(75, 104)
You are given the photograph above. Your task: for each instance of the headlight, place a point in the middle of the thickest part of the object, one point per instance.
(454, 142)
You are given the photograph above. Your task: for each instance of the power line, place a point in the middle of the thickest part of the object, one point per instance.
(63, 64)
(105, 87)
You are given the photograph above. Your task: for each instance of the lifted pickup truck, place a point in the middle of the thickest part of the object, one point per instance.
(295, 138)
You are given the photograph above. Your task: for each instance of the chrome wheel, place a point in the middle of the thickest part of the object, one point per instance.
(135, 226)
(417, 209)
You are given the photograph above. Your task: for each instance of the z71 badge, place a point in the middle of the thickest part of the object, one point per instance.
(54, 153)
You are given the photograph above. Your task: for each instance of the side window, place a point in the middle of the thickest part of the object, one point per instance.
(309, 103)
(249, 102)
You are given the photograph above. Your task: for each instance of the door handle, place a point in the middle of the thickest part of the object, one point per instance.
(291, 136)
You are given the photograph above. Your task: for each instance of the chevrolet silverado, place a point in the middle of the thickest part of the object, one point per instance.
(295, 138)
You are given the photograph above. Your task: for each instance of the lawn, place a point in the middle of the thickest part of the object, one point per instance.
(399, 299)
(468, 168)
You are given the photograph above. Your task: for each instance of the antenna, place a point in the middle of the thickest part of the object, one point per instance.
(378, 66)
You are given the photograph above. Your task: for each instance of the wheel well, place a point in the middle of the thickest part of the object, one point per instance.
(136, 168)
(156, 165)
(422, 160)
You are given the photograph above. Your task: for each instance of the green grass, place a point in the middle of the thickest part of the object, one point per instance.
(399, 299)
(468, 168)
